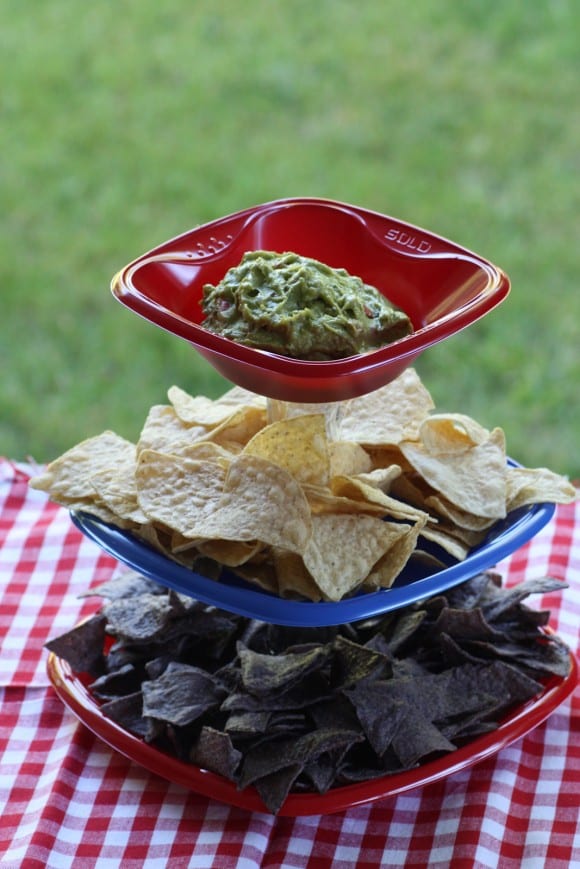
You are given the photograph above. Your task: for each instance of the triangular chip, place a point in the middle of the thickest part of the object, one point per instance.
(260, 501)
(390, 414)
(232, 553)
(451, 433)
(165, 432)
(536, 486)
(177, 491)
(348, 457)
(460, 518)
(473, 479)
(68, 478)
(358, 489)
(323, 500)
(200, 410)
(239, 427)
(297, 444)
(293, 580)
(344, 549)
(388, 568)
(116, 489)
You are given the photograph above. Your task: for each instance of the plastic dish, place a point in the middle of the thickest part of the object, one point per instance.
(74, 693)
(441, 286)
(235, 595)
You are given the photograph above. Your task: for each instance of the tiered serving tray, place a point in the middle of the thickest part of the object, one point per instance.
(443, 288)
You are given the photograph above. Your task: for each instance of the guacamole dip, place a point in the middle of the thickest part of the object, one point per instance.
(299, 307)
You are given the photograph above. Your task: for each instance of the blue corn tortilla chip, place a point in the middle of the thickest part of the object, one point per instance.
(465, 625)
(143, 624)
(309, 692)
(555, 658)
(417, 738)
(505, 599)
(353, 663)
(117, 683)
(247, 725)
(275, 787)
(181, 694)
(128, 712)
(264, 674)
(301, 709)
(214, 750)
(289, 756)
(82, 646)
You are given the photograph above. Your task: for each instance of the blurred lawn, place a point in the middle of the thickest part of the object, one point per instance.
(124, 124)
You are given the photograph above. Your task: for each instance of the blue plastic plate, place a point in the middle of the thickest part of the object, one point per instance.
(233, 594)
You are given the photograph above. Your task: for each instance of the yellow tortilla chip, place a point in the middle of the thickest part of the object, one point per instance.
(386, 457)
(455, 516)
(451, 433)
(412, 489)
(347, 457)
(199, 410)
(446, 541)
(389, 415)
(293, 579)
(239, 427)
(116, 489)
(322, 500)
(473, 479)
(163, 431)
(162, 539)
(343, 550)
(387, 569)
(298, 444)
(536, 486)
(232, 553)
(177, 491)
(68, 478)
(99, 510)
(95, 476)
(381, 478)
(260, 501)
(260, 573)
(238, 396)
(210, 451)
(364, 492)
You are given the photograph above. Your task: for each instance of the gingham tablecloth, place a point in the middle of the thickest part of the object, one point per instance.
(67, 800)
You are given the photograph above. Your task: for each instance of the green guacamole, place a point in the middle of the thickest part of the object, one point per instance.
(299, 307)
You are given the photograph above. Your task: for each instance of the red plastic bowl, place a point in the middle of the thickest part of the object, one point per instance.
(441, 286)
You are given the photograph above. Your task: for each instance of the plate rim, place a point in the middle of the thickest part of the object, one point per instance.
(74, 693)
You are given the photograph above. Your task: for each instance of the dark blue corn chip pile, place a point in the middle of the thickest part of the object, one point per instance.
(306, 709)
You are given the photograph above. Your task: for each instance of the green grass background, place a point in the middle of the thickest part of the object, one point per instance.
(123, 124)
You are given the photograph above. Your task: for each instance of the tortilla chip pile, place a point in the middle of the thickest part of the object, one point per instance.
(308, 709)
(312, 505)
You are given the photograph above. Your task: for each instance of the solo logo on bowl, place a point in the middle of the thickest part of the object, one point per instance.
(405, 239)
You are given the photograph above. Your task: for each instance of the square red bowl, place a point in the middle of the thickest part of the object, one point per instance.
(441, 286)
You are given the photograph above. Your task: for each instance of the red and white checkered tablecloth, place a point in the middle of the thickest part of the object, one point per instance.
(67, 800)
